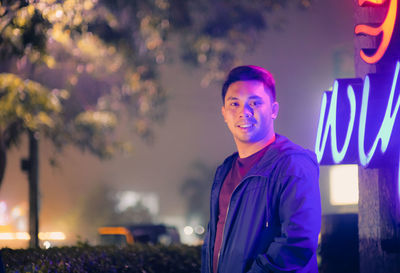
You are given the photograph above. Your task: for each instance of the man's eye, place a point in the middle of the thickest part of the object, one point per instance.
(234, 104)
(256, 103)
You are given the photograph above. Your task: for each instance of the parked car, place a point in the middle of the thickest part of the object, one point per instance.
(138, 233)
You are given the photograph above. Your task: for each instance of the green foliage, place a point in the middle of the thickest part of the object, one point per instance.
(107, 54)
(27, 102)
(82, 46)
(27, 105)
(23, 30)
(135, 258)
(91, 125)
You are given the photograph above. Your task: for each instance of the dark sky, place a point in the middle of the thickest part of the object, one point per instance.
(305, 57)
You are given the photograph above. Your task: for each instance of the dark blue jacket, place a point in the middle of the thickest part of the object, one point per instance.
(274, 216)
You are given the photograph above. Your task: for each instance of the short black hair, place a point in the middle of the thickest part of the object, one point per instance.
(250, 73)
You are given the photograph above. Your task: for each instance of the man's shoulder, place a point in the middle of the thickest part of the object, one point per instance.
(289, 156)
(284, 144)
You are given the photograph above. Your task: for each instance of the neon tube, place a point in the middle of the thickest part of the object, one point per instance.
(330, 125)
(387, 125)
(386, 28)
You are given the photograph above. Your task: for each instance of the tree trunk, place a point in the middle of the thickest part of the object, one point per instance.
(3, 157)
(33, 190)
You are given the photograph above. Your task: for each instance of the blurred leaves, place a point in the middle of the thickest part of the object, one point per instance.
(76, 68)
(27, 104)
(81, 46)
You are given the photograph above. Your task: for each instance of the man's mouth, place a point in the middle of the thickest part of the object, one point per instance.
(245, 126)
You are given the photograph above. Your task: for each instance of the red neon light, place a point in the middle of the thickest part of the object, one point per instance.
(376, 2)
(386, 28)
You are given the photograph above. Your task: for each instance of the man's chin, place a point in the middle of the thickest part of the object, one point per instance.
(250, 139)
(247, 140)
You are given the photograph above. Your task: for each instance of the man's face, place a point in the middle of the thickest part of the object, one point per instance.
(249, 112)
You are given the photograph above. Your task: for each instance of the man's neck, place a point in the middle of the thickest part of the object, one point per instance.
(246, 150)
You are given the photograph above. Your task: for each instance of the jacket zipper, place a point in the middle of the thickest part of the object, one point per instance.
(226, 217)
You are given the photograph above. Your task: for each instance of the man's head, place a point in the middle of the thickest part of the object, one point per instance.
(250, 108)
(249, 73)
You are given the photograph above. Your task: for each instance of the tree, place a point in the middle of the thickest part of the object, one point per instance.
(77, 67)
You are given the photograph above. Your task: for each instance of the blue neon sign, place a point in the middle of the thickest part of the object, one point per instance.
(333, 121)
(386, 129)
(353, 102)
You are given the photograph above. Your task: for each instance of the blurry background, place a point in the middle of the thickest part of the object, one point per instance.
(166, 177)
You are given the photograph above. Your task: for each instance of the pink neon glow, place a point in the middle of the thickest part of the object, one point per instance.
(377, 2)
(386, 28)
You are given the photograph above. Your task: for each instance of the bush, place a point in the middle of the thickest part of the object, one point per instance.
(136, 258)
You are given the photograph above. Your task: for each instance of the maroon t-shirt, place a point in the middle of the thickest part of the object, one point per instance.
(240, 168)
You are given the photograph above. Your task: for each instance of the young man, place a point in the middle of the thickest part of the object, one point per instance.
(265, 202)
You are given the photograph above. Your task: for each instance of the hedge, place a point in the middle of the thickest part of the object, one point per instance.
(136, 258)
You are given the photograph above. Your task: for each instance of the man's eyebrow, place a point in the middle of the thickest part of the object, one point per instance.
(255, 97)
(231, 98)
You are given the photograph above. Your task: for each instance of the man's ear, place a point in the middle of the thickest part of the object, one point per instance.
(274, 109)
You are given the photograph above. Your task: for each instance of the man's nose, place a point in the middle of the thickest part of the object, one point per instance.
(247, 111)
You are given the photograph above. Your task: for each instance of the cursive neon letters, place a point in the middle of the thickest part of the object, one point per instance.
(386, 128)
(330, 125)
(328, 122)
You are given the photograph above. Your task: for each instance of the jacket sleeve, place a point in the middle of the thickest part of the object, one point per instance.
(299, 210)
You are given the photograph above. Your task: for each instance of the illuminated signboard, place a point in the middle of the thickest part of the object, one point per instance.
(357, 118)
(359, 123)
(384, 31)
